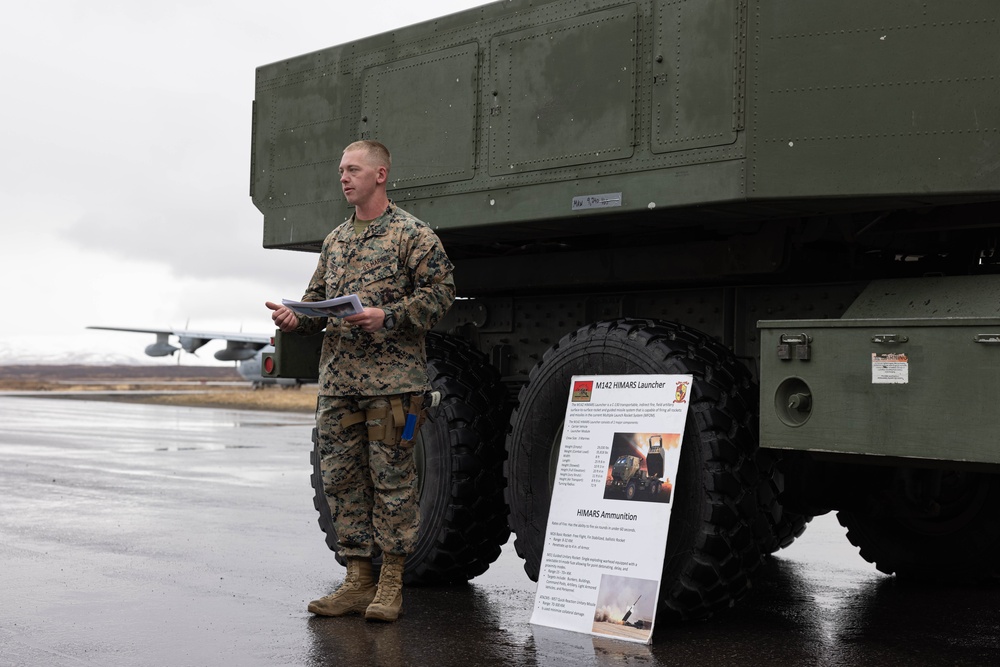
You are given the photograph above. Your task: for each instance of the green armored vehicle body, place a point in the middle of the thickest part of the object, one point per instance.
(796, 203)
(629, 477)
(640, 477)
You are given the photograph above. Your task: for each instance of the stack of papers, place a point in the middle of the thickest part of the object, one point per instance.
(342, 306)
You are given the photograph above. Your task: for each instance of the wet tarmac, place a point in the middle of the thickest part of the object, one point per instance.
(157, 535)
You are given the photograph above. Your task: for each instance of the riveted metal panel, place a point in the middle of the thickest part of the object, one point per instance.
(302, 124)
(858, 97)
(697, 87)
(438, 94)
(564, 93)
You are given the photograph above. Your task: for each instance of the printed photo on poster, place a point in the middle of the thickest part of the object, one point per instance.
(625, 607)
(636, 470)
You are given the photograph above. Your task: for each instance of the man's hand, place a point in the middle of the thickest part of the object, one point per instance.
(370, 319)
(284, 318)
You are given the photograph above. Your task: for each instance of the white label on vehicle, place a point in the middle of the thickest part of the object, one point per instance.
(608, 200)
(890, 368)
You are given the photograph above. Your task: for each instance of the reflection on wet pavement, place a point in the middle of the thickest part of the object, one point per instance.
(156, 535)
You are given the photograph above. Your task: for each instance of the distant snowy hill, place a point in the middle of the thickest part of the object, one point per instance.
(9, 356)
(67, 359)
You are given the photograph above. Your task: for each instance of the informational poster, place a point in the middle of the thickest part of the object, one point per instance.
(611, 502)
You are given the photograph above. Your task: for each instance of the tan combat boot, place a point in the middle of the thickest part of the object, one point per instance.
(353, 596)
(389, 598)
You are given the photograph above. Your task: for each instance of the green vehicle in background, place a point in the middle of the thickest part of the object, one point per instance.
(796, 203)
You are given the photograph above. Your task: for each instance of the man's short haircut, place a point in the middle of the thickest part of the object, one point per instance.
(375, 151)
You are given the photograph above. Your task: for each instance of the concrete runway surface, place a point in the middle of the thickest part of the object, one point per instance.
(154, 535)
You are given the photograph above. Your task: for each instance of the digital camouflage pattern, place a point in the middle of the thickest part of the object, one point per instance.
(370, 484)
(399, 265)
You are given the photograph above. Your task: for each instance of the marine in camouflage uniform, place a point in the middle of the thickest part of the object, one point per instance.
(397, 264)
(372, 372)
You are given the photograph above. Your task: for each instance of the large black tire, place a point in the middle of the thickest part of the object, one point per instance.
(459, 450)
(783, 525)
(960, 544)
(712, 545)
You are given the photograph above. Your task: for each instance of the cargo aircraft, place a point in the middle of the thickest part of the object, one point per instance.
(245, 349)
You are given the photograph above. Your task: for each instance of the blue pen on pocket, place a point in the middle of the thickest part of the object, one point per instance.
(411, 424)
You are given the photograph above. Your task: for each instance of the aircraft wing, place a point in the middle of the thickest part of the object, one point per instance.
(239, 346)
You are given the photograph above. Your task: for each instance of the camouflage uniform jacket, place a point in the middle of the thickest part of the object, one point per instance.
(399, 265)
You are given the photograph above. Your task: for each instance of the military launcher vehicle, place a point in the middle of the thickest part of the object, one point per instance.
(629, 477)
(633, 480)
(797, 203)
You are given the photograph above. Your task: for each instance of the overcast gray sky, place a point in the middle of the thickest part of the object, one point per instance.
(124, 176)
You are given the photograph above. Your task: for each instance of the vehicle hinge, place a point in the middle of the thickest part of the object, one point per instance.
(890, 338)
(253, 145)
(739, 67)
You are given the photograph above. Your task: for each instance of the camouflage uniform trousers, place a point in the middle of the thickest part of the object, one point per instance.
(369, 478)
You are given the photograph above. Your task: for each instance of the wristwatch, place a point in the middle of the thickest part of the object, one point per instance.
(390, 320)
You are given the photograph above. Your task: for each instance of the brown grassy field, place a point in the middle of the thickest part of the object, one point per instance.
(203, 386)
